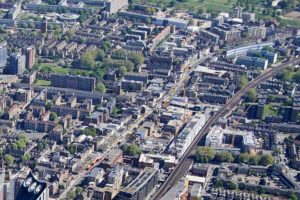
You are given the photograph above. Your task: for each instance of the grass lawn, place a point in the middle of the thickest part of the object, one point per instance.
(290, 22)
(43, 82)
(269, 110)
(193, 5)
(51, 68)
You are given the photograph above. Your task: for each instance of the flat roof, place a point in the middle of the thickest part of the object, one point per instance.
(196, 179)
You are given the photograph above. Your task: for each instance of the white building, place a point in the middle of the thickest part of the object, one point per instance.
(217, 138)
(187, 135)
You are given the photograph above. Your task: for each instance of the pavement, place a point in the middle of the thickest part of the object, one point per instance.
(181, 168)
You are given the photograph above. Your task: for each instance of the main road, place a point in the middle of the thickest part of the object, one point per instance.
(185, 162)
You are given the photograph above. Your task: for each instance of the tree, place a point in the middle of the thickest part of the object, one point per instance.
(53, 116)
(31, 25)
(20, 144)
(293, 197)
(78, 190)
(252, 95)
(122, 70)
(101, 88)
(245, 34)
(100, 54)
(224, 156)
(49, 105)
(25, 157)
(72, 148)
(266, 160)
(243, 82)
(277, 150)
(50, 26)
(296, 76)
(262, 181)
(205, 154)
(87, 60)
(285, 75)
(9, 159)
(148, 21)
(243, 158)
(271, 98)
(137, 58)
(253, 160)
(131, 150)
(24, 25)
(71, 195)
(230, 186)
(218, 183)
(90, 132)
(2, 30)
(261, 190)
(129, 65)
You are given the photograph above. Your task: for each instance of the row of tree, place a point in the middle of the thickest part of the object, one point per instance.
(207, 154)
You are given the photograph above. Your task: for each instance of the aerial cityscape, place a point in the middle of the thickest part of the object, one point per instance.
(149, 99)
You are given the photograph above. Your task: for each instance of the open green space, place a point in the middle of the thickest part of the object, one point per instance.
(290, 22)
(269, 110)
(51, 68)
(192, 5)
(43, 82)
(262, 8)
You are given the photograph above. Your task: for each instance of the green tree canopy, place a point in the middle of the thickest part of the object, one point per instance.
(252, 95)
(230, 185)
(137, 58)
(9, 159)
(285, 75)
(90, 132)
(266, 160)
(205, 154)
(122, 70)
(131, 150)
(243, 158)
(243, 82)
(53, 116)
(25, 157)
(72, 148)
(224, 156)
(253, 160)
(101, 88)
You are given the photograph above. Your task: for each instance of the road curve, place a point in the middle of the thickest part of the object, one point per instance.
(182, 166)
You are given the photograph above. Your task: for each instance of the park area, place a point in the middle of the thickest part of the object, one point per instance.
(192, 5)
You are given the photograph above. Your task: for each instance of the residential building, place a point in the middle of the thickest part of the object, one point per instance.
(141, 187)
(30, 57)
(33, 189)
(73, 82)
(16, 64)
(252, 62)
(132, 76)
(113, 6)
(270, 56)
(3, 54)
(187, 135)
